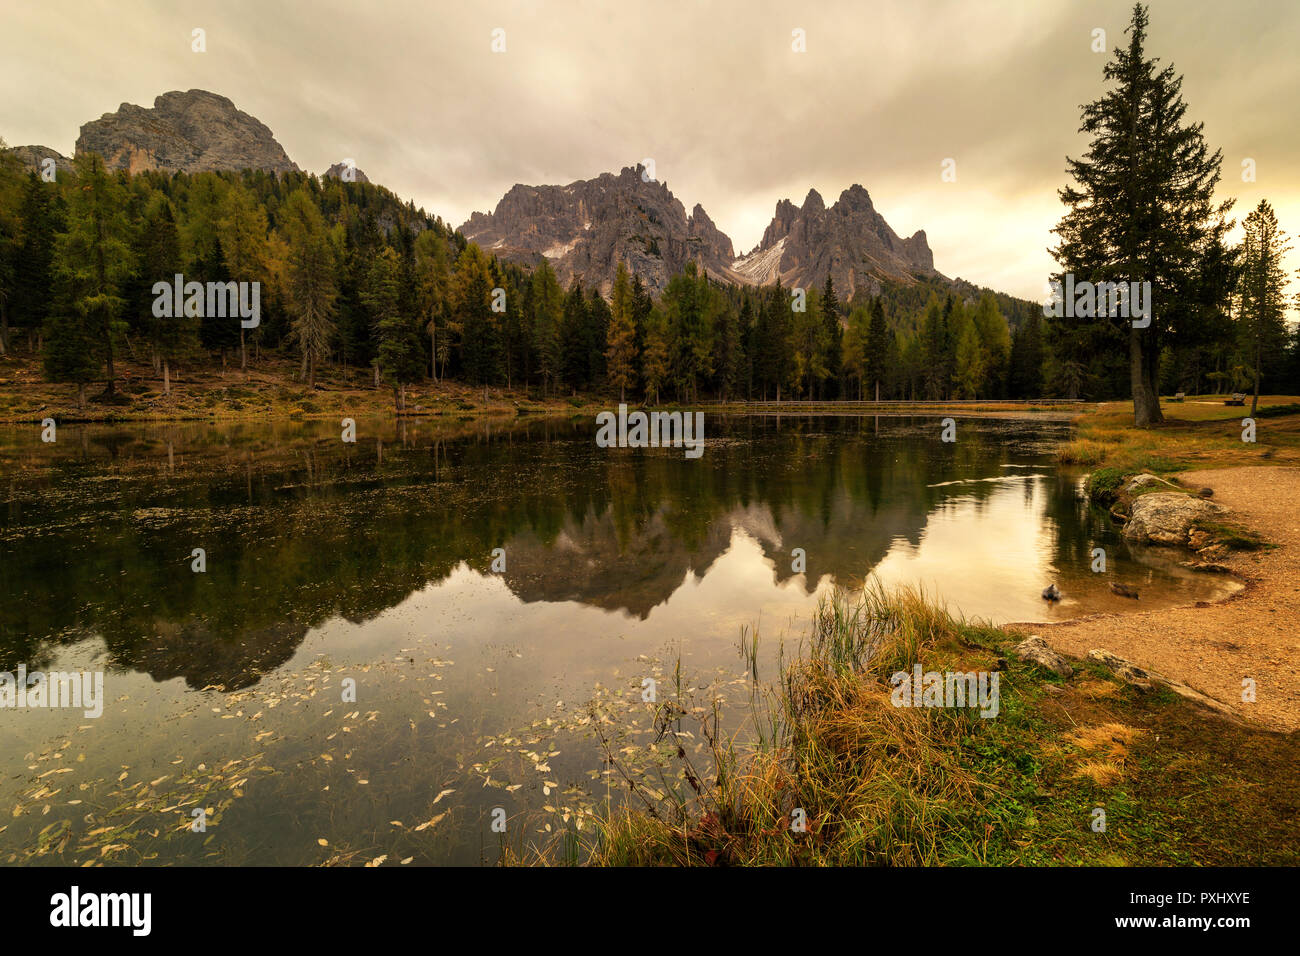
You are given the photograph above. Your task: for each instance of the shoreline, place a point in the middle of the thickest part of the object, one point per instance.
(1214, 646)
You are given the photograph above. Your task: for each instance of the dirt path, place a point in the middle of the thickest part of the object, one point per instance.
(1254, 634)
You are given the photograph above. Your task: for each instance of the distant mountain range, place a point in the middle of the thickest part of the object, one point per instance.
(583, 229)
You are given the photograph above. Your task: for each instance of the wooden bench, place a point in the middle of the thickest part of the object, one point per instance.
(1236, 399)
(1179, 397)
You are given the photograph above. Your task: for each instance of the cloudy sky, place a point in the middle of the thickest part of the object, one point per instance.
(734, 118)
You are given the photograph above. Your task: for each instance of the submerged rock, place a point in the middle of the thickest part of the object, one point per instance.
(1123, 590)
(1209, 567)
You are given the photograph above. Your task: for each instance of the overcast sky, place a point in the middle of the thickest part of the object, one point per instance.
(713, 92)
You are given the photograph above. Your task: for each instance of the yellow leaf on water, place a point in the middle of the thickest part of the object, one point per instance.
(323, 842)
(441, 795)
(432, 822)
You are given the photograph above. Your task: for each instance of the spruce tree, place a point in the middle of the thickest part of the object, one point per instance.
(433, 281)
(546, 312)
(175, 337)
(877, 347)
(312, 283)
(398, 334)
(1263, 292)
(620, 353)
(32, 263)
(95, 259)
(1141, 207)
(834, 338)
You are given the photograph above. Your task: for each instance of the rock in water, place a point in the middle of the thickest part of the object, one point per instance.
(1051, 593)
(1166, 517)
(1123, 590)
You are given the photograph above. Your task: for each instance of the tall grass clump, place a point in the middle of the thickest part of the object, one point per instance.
(871, 783)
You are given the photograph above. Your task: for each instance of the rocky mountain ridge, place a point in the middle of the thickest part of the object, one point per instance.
(187, 132)
(585, 228)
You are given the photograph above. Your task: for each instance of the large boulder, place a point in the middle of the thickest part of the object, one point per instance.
(1167, 517)
(1035, 650)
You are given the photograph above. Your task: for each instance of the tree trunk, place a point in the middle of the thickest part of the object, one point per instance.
(1254, 402)
(167, 377)
(81, 396)
(1146, 407)
(243, 352)
(433, 354)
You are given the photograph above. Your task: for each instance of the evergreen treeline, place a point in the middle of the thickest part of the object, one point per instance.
(350, 275)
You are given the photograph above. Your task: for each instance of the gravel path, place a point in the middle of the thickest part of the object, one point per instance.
(1253, 634)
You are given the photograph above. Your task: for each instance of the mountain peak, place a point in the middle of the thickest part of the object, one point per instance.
(342, 170)
(190, 131)
(855, 196)
(585, 228)
(850, 242)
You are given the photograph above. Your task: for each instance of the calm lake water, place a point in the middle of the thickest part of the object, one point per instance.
(329, 563)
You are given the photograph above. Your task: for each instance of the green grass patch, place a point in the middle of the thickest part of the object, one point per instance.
(1233, 537)
(877, 784)
(1103, 485)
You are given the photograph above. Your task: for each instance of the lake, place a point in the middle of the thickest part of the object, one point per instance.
(359, 673)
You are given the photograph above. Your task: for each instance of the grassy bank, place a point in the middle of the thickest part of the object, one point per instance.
(880, 784)
(1200, 432)
(268, 391)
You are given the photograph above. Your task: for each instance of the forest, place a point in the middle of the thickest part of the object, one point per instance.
(350, 276)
